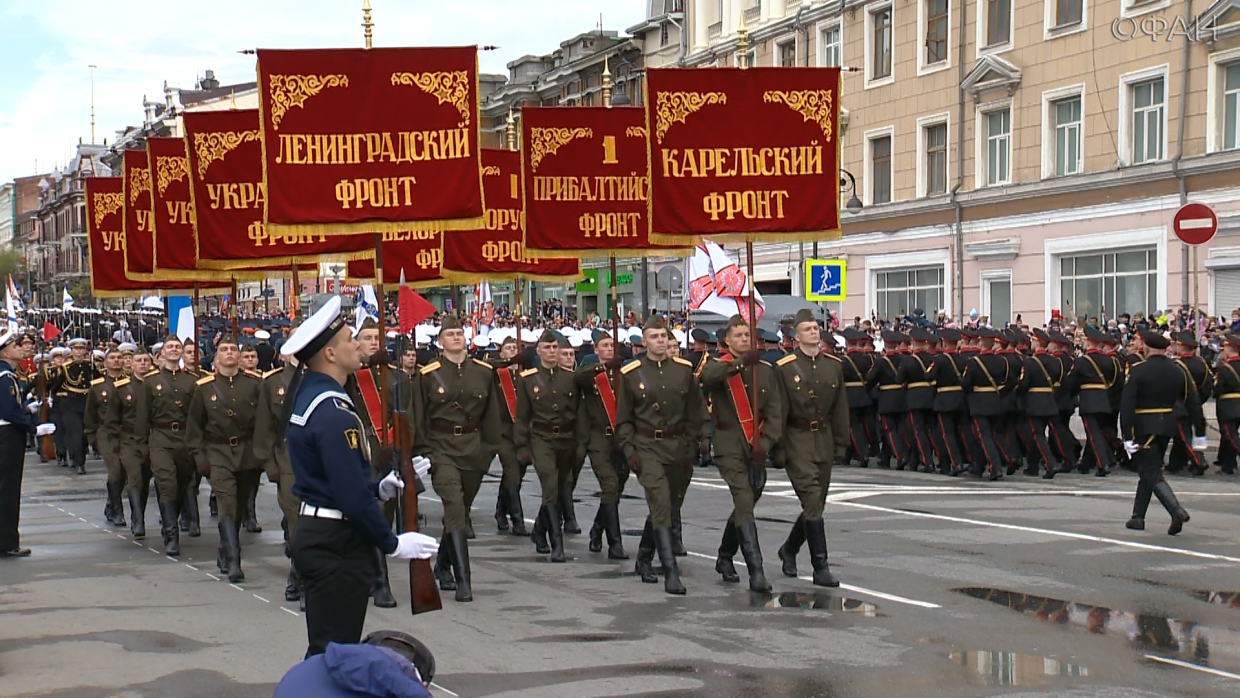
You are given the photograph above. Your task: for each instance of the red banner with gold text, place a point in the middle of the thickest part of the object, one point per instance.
(584, 174)
(415, 255)
(139, 259)
(370, 140)
(743, 154)
(498, 250)
(226, 178)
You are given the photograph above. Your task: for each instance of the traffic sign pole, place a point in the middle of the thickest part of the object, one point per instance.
(1195, 224)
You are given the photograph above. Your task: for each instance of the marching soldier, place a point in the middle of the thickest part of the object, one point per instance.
(105, 437)
(222, 415)
(949, 403)
(1037, 392)
(659, 415)
(457, 418)
(1227, 400)
(508, 501)
(1148, 421)
(15, 429)
(164, 398)
(73, 383)
(918, 398)
(56, 411)
(856, 363)
(543, 432)
(882, 376)
(273, 455)
(122, 418)
(567, 361)
(596, 380)
(1091, 379)
(746, 430)
(1068, 445)
(1184, 351)
(984, 376)
(815, 410)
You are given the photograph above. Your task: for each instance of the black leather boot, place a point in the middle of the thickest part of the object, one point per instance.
(539, 533)
(555, 533)
(747, 534)
(137, 514)
(1179, 516)
(460, 564)
(251, 512)
(596, 531)
(469, 528)
(678, 544)
(116, 505)
(644, 566)
(213, 506)
(190, 515)
(671, 573)
(611, 524)
(443, 566)
(292, 588)
(816, 537)
(1140, 505)
(382, 592)
(788, 551)
(501, 509)
(230, 541)
(727, 550)
(168, 526)
(567, 510)
(182, 514)
(516, 516)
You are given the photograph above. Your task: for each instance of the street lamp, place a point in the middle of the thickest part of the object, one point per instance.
(849, 183)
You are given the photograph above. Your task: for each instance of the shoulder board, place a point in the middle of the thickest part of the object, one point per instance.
(97, 381)
(271, 373)
(684, 361)
(833, 356)
(786, 359)
(120, 383)
(529, 372)
(153, 372)
(429, 367)
(764, 362)
(206, 379)
(252, 374)
(716, 358)
(484, 364)
(631, 366)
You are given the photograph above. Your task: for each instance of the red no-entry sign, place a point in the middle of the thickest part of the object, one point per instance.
(1195, 224)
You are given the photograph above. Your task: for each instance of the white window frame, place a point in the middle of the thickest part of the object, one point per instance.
(1126, 83)
(1049, 98)
(868, 163)
(1050, 31)
(1073, 245)
(906, 260)
(1135, 8)
(985, 278)
(1215, 82)
(821, 51)
(870, 80)
(796, 50)
(981, 141)
(923, 23)
(923, 173)
(983, 20)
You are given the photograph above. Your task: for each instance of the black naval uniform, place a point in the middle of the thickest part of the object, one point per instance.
(1227, 405)
(882, 376)
(1037, 389)
(918, 401)
(857, 363)
(984, 376)
(1182, 452)
(949, 406)
(15, 427)
(1092, 376)
(74, 380)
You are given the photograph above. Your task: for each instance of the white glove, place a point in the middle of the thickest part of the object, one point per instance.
(1131, 447)
(45, 429)
(421, 465)
(414, 546)
(33, 407)
(1199, 443)
(390, 486)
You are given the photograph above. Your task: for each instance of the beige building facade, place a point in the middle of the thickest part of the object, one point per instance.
(1016, 157)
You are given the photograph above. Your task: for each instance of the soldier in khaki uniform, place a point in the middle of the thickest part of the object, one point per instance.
(596, 379)
(744, 435)
(659, 414)
(508, 501)
(815, 407)
(221, 426)
(273, 456)
(104, 437)
(543, 432)
(457, 419)
(122, 418)
(164, 399)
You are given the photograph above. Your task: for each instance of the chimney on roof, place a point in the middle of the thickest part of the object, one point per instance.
(209, 82)
(168, 97)
(149, 108)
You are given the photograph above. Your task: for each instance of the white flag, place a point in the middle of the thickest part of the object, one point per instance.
(66, 301)
(367, 306)
(12, 304)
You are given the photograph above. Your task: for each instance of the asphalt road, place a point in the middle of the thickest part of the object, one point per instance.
(952, 587)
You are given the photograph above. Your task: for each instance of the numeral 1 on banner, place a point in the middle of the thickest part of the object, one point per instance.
(513, 184)
(609, 151)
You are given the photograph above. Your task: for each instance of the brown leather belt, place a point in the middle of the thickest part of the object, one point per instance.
(443, 426)
(660, 434)
(231, 440)
(807, 425)
(170, 426)
(552, 428)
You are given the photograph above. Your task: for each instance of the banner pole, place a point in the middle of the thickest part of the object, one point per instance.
(742, 51)
(612, 284)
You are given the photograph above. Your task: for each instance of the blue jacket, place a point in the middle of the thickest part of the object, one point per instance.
(352, 671)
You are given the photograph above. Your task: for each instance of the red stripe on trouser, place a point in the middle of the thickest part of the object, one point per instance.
(1224, 427)
(912, 427)
(1089, 435)
(1188, 446)
(891, 437)
(977, 429)
(946, 444)
(1038, 443)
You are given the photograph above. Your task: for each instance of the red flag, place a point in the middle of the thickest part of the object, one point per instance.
(50, 331)
(411, 308)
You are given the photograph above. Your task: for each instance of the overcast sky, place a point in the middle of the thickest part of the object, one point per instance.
(45, 48)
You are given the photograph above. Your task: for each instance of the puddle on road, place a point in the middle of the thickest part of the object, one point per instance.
(1017, 669)
(588, 637)
(1148, 632)
(812, 601)
(1222, 598)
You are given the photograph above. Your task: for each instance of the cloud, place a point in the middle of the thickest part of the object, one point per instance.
(46, 91)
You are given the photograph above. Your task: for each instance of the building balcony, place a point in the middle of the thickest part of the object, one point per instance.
(752, 15)
(715, 30)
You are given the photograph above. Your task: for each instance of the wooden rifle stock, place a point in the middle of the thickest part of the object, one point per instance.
(423, 588)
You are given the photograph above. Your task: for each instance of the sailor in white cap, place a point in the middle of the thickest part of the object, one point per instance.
(15, 426)
(339, 525)
(266, 353)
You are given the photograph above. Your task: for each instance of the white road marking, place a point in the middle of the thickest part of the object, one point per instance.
(155, 551)
(1194, 667)
(173, 559)
(260, 598)
(82, 520)
(441, 688)
(95, 525)
(191, 567)
(292, 612)
(235, 586)
(1046, 531)
(212, 576)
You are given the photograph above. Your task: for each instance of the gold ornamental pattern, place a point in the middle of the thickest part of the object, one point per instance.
(139, 183)
(288, 91)
(546, 141)
(635, 131)
(106, 204)
(449, 87)
(814, 105)
(490, 170)
(210, 147)
(673, 107)
(169, 170)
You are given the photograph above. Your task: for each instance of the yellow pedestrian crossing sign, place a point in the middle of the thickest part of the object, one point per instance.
(824, 279)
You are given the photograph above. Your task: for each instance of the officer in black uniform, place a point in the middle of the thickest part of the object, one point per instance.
(949, 407)
(1148, 421)
(882, 377)
(1184, 351)
(1227, 400)
(857, 362)
(74, 379)
(918, 398)
(982, 378)
(340, 523)
(1037, 393)
(15, 427)
(1090, 379)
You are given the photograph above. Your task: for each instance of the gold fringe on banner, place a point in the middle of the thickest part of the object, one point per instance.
(287, 260)
(806, 236)
(461, 277)
(619, 253)
(375, 227)
(415, 285)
